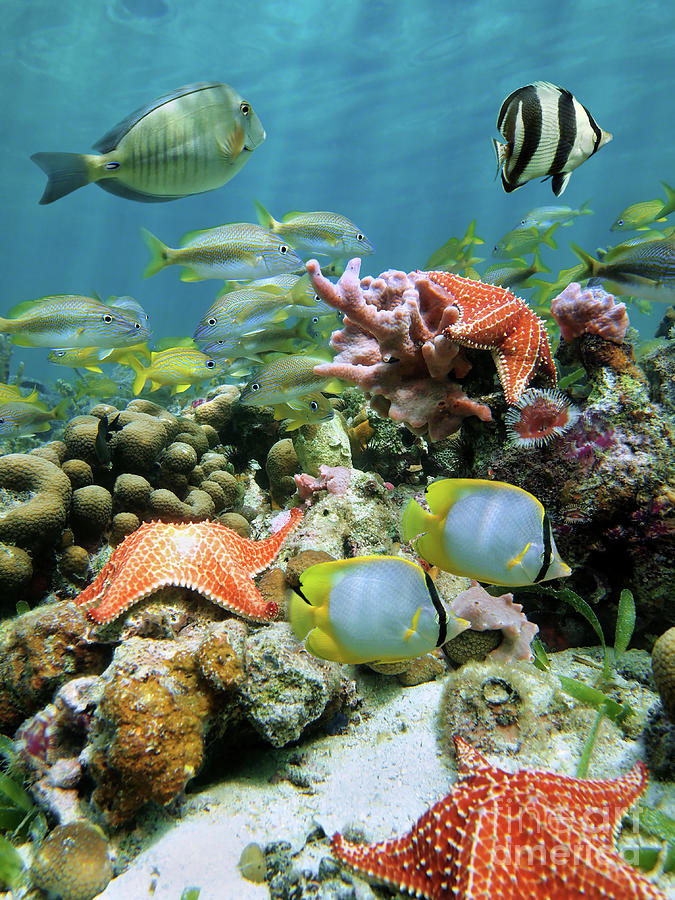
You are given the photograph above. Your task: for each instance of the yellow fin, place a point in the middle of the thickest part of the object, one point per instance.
(518, 559)
(190, 275)
(301, 616)
(413, 625)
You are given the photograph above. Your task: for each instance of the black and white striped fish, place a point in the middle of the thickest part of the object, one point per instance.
(548, 134)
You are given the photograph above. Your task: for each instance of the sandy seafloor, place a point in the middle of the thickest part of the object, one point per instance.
(379, 776)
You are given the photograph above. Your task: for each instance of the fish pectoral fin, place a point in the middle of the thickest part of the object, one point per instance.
(414, 622)
(232, 146)
(517, 560)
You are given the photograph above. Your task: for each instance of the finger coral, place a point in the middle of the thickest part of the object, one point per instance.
(393, 346)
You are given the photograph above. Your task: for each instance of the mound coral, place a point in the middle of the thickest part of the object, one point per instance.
(589, 311)
(404, 335)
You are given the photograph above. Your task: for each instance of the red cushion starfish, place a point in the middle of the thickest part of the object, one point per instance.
(203, 556)
(492, 318)
(496, 836)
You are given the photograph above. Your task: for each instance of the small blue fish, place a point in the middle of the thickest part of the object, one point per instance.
(370, 609)
(488, 530)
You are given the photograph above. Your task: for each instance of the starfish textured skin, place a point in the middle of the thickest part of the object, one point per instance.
(204, 556)
(531, 835)
(492, 318)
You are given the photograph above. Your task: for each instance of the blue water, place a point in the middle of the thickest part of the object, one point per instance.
(382, 111)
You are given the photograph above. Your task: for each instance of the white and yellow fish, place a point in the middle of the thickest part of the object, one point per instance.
(28, 415)
(238, 251)
(370, 609)
(286, 378)
(177, 367)
(189, 141)
(487, 530)
(317, 233)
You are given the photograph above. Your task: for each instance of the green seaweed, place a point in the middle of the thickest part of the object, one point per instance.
(190, 893)
(11, 864)
(625, 624)
(20, 816)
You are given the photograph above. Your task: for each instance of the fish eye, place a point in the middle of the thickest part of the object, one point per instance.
(313, 405)
(107, 318)
(316, 298)
(211, 321)
(315, 320)
(137, 325)
(244, 108)
(210, 363)
(2, 421)
(283, 249)
(255, 386)
(619, 221)
(112, 165)
(360, 237)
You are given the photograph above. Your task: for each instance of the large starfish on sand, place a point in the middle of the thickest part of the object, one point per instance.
(492, 318)
(531, 835)
(205, 557)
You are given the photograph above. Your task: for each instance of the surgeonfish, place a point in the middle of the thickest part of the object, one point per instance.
(487, 530)
(179, 367)
(284, 379)
(520, 241)
(548, 134)
(29, 415)
(71, 321)
(542, 217)
(642, 215)
(645, 269)
(191, 140)
(238, 251)
(370, 609)
(317, 233)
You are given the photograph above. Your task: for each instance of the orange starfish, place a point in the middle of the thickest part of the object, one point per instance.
(203, 556)
(528, 836)
(492, 318)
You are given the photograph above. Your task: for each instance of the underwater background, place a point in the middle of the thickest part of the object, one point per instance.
(382, 111)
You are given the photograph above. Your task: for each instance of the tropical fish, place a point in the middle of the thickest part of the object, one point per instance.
(101, 387)
(370, 609)
(646, 269)
(104, 432)
(248, 311)
(309, 409)
(90, 358)
(238, 251)
(13, 392)
(520, 241)
(186, 142)
(488, 530)
(284, 379)
(542, 217)
(317, 233)
(548, 134)
(71, 320)
(513, 272)
(29, 415)
(179, 367)
(641, 215)
(456, 253)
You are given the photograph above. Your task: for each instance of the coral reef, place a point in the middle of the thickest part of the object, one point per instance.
(38, 520)
(334, 479)
(663, 665)
(580, 311)
(73, 862)
(392, 345)
(488, 613)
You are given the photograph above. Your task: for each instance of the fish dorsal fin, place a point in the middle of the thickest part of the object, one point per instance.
(293, 214)
(112, 138)
(24, 307)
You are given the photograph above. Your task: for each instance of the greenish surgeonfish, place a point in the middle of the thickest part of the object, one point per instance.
(370, 609)
(487, 530)
(191, 140)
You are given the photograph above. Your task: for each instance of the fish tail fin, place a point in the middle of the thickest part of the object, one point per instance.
(414, 520)
(669, 205)
(585, 209)
(591, 264)
(547, 236)
(502, 154)
(301, 616)
(265, 218)
(160, 254)
(66, 172)
(141, 374)
(537, 264)
(60, 410)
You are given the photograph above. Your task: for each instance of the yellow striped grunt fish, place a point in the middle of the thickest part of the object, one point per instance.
(179, 367)
(317, 233)
(310, 409)
(238, 251)
(285, 379)
(28, 415)
(189, 141)
(488, 530)
(90, 358)
(639, 216)
(71, 320)
(370, 609)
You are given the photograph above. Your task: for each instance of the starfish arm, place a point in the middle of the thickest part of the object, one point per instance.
(254, 556)
(517, 355)
(393, 863)
(239, 594)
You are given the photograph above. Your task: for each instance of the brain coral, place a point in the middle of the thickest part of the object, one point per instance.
(73, 862)
(38, 518)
